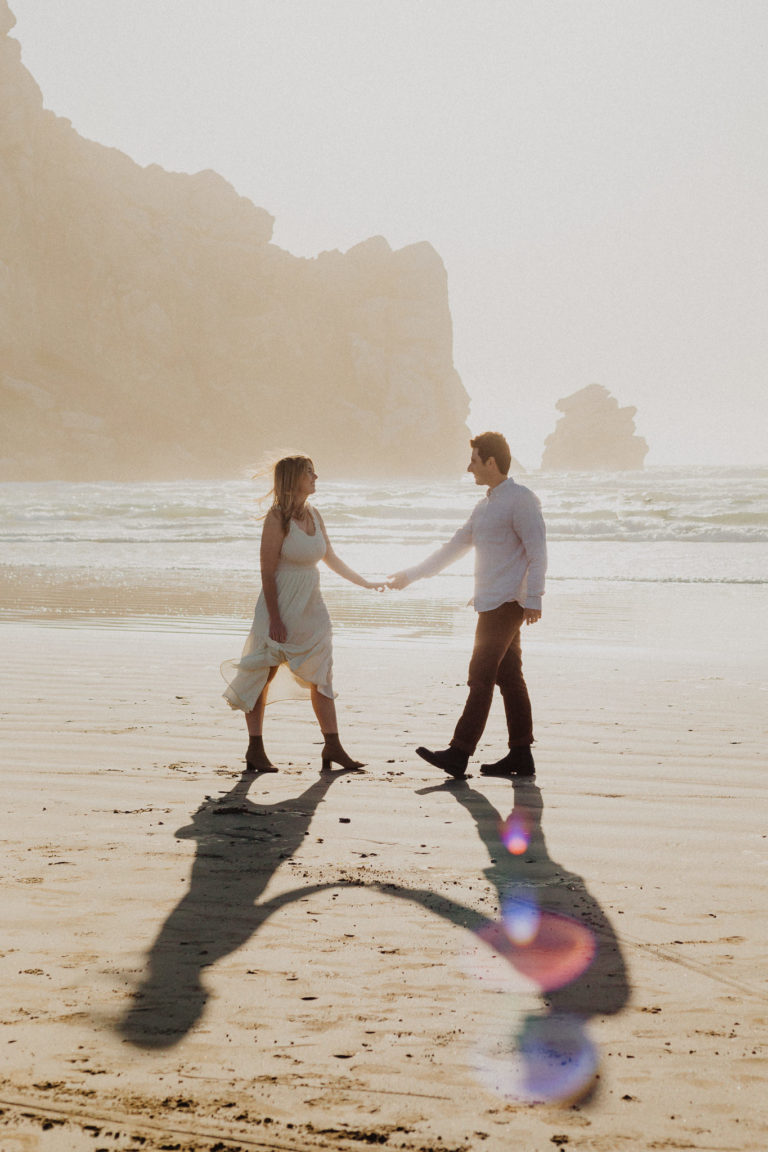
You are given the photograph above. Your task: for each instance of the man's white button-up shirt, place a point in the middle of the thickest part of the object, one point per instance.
(507, 531)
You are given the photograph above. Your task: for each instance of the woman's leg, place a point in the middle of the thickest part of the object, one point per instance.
(325, 710)
(256, 759)
(333, 753)
(255, 718)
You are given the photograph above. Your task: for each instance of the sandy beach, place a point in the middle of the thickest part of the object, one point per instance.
(196, 960)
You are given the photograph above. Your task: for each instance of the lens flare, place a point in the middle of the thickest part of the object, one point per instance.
(521, 916)
(551, 1060)
(548, 949)
(515, 831)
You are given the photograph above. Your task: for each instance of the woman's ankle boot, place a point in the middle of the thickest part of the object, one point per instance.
(256, 759)
(333, 753)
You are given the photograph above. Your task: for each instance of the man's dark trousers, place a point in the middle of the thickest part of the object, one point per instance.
(496, 659)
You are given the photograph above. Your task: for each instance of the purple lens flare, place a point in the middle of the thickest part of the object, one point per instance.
(550, 1060)
(515, 831)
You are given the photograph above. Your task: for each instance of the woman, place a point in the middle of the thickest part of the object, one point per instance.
(291, 626)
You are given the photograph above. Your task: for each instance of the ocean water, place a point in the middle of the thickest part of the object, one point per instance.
(181, 550)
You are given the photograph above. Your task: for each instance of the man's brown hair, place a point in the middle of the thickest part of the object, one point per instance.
(493, 444)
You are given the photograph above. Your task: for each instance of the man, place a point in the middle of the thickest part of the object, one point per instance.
(506, 529)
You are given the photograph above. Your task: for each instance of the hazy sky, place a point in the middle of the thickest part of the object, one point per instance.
(593, 173)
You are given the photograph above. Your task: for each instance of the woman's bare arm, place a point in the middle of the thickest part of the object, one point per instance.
(337, 565)
(271, 546)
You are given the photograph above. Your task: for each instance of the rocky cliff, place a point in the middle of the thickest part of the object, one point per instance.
(594, 434)
(149, 328)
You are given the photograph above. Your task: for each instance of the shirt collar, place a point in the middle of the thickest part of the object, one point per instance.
(504, 484)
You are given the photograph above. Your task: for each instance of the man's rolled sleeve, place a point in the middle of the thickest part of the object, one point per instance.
(528, 522)
(459, 544)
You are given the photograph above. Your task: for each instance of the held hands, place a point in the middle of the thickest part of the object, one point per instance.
(375, 585)
(398, 581)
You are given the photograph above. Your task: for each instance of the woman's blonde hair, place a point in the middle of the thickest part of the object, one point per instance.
(286, 474)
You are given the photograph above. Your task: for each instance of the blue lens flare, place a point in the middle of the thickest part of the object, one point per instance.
(521, 916)
(551, 1060)
(531, 949)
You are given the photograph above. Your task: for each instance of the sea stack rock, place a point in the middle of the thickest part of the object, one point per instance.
(150, 329)
(593, 434)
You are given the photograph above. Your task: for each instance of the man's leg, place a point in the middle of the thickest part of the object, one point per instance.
(518, 762)
(514, 692)
(496, 632)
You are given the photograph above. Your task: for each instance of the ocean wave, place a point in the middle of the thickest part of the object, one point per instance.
(432, 535)
(689, 506)
(653, 534)
(666, 578)
(149, 536)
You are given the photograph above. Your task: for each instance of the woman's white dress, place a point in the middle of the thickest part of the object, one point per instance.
(307, 652)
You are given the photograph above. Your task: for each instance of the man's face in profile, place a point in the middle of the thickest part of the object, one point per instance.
(482, 472)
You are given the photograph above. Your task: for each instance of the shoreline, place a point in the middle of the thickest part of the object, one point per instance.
(709, 621)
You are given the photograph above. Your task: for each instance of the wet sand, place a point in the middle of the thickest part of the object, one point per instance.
(197, 960)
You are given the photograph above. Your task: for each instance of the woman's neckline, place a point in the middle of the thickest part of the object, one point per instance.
(312, 522)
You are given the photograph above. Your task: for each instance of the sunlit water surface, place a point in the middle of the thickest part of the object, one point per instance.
(185, 553)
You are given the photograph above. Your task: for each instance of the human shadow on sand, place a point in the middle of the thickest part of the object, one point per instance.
(551, 936)
(240, 846)
(555, 937)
